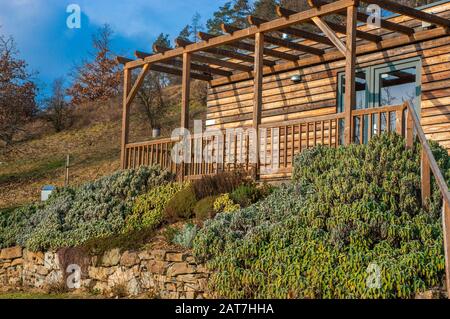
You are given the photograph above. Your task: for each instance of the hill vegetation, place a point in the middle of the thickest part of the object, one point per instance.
(350, 226)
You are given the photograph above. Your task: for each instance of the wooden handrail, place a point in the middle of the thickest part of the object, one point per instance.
(335, 116)
(440, 180)
(152, 142)
(428, 162)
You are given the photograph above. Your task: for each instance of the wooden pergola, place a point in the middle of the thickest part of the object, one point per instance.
(210, 60)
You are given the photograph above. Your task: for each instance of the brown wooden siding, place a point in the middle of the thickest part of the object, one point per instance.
(231, 105)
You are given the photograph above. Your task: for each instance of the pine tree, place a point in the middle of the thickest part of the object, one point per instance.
(265, 9)
(232, 12)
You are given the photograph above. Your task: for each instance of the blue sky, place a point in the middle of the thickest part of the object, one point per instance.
(51, 48)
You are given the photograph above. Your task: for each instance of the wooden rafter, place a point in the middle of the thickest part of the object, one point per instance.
(410, 12)
(330, 34)
(196, 67)
(230, 54)
(281, 42)
(334, 55)
(362, 17)
(274, 25)
(164, 69)
(173, 71)
(293, 31)
(283, 12)
(250, 47)
(209, 60)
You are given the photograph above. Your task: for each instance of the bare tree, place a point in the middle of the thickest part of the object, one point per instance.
(99, 79)
(151, 98)
(58, 110)
(17, 92)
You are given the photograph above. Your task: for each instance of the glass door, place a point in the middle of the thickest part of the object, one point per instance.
(394, 84)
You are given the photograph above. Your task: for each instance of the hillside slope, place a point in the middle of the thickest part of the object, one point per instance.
(93, 143)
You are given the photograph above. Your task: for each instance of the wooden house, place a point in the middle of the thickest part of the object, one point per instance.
(276, 89)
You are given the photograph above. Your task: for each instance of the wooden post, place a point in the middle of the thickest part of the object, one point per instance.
(185, 90)
(425, 177)
(446, 233)
(185, 96)
(66, 177)
(125, 116)
(409, 131)
(257, 95)
(350, 66)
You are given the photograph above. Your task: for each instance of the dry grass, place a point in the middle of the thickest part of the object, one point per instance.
(93, 143)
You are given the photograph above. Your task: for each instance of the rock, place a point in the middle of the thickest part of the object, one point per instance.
(190, 259)
(111, 258)
(133, 287)
(170, 287)
(54, 277)
(129, 259)
(120, 277)
(99, 273)
(18, 261)
(42, 270)
(159, 254)
(35, 258)
(147, 281)
(11, 253)
(51, 261)
(180, 269)
(187, 278)
(429, 294)
(175, 257)
(157, 266)
(190, 295)
(145, 255)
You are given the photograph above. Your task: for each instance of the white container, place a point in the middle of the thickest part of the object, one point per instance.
(46, 191)
(156, 132)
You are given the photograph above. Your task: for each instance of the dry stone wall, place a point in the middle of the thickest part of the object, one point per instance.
(163, 273)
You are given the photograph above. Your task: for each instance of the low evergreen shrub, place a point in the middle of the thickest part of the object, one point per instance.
(204, 209)
(149, 209)
(221, 183)
(181, 206)
(73, 216)
(185, 236)
(224, 204)
(351, 214)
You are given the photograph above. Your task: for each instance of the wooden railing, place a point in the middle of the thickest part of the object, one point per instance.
(375, 121)
(157, 152)
(429, 166)
(278, 144)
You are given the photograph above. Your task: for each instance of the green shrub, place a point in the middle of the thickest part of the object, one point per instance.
(221, 183)
(224, 204)
(74, 215)
(347, 208)
(185, 236)
(181, 206)
(245, 195)
(204, 209)
(148, 209)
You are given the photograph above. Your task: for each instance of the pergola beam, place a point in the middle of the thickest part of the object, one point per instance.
(363, 18)
(293, 31)
(281, 42)
(270, 26)
(174, 71)
(231, 54)
(250, 47)
(410, 12)
(209, 60)
(283, 12)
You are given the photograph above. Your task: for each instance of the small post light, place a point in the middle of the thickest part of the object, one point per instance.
(297, 78)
